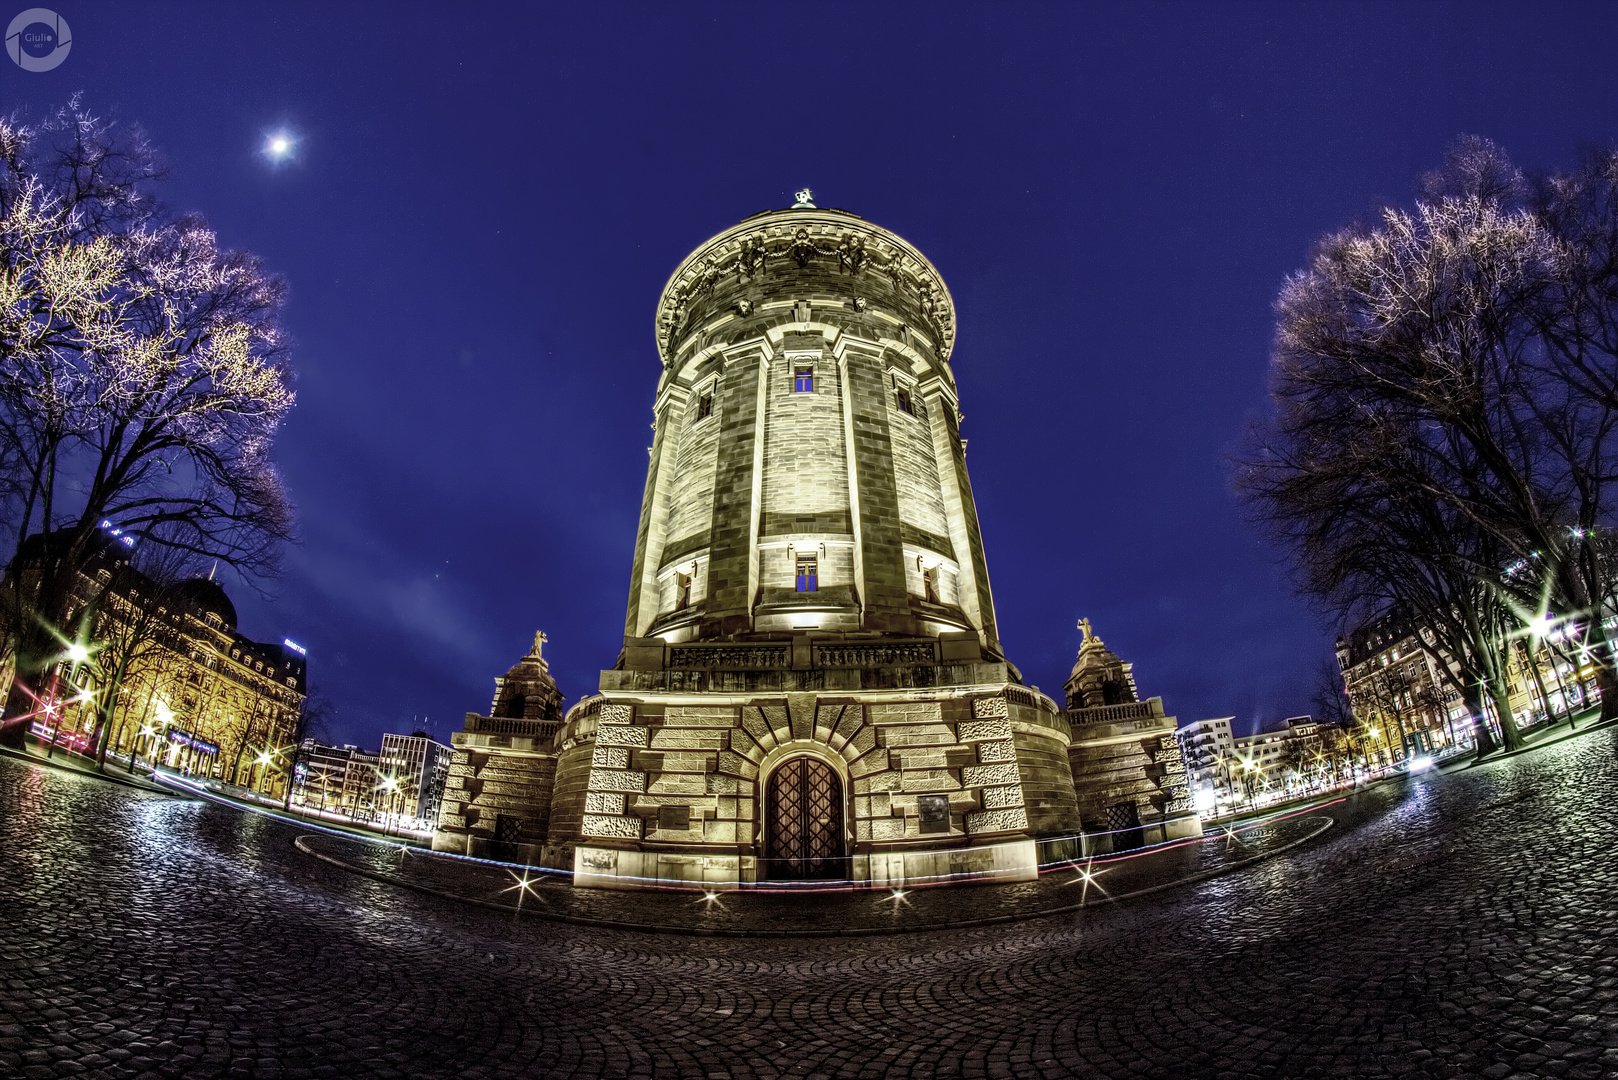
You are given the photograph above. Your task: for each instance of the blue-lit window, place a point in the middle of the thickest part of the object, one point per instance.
(803, 381)
(704, 406)
(808, 577)
(904, 402)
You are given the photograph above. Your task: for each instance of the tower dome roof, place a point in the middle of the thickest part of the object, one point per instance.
(794, 238)
(208, 595)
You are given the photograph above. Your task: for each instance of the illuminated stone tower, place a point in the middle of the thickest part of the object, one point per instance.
(807, 473)
(811, 685)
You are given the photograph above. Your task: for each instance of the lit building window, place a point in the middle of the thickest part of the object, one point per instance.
(808, 578)
(929, 585)
(682, 591)
(803, 381)
(704, 406)
(904, 402)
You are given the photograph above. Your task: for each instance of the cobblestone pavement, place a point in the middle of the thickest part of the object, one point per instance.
(1456, 926)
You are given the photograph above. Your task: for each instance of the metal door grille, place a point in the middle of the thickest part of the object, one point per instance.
(805, 824)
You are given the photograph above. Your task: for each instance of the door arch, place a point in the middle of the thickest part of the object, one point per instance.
(803, 821)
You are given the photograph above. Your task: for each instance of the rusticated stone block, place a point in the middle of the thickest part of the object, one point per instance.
(881, 781)
(622, 736)
(687, 739)
(918, 735)
(979, 730)
(862, 829)
(875, 761)
(996, 750)
(864, 741)
(719, 832)
(989, 706)
(931, 780)
(726, 809)
(708, 716)
(451, 821)
(888, 828)
(617, 828)
(990, 775)
(616, 714)
(754, 724)
(679, 783)
(610, 757)
(720, 784)
(852, 720)
(736, 765)
(616, 780)
(1001, 798)
(906, 712)
(997, 820)
(602, 802)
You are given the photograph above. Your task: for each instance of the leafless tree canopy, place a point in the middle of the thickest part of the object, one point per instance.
(142, 370)
(1445, 385)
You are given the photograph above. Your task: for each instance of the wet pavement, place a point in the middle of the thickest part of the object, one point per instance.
(1456, 926)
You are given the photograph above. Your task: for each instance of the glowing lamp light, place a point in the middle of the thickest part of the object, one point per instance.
(77, 653)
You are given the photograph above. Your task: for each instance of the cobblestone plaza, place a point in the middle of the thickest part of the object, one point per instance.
(1455, 925)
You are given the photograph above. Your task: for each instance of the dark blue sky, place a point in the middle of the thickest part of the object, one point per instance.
(486, 201)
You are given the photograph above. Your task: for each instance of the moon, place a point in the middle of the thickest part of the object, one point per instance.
(279, 146)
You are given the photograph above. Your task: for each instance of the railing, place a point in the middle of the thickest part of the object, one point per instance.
(1117, 714)
(875, 654)
(504, 725)
(741, 657)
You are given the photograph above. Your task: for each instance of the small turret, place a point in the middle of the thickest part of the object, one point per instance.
(1099, 677)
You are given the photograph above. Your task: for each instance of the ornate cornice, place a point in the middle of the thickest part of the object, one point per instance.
(803, 237)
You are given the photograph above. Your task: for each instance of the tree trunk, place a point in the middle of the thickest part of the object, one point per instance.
(1482, 739)
(1509, 735)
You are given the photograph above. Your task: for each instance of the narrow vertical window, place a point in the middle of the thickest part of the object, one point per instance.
(929, 585)
(904, 401)
(704, 406)
(682, 591)
(808, 577)
(803, 381)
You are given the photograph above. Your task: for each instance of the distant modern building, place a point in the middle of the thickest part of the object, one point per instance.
(1280, 757)
(336, 780)
(411, 772)
(1209, 750)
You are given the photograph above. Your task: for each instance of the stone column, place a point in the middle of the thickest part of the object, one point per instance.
(733, 551)
(878, 537)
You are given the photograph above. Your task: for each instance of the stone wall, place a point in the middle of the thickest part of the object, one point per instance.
(1001, 767)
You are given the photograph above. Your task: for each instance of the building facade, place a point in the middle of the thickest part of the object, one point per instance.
(195, 694)
(341, 780)
(811, 685)
(411, 773)
(1209, 750)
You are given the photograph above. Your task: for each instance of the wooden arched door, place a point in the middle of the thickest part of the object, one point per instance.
(803, 822)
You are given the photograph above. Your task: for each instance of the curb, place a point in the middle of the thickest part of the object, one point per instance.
(864, 931)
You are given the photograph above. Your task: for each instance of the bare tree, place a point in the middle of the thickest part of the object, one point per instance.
(142, 377)
(1448, 378)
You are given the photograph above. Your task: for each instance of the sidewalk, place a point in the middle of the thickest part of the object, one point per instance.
(837, 911)
(69, 762)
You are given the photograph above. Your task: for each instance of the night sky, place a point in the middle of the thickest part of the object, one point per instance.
(483, 203)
